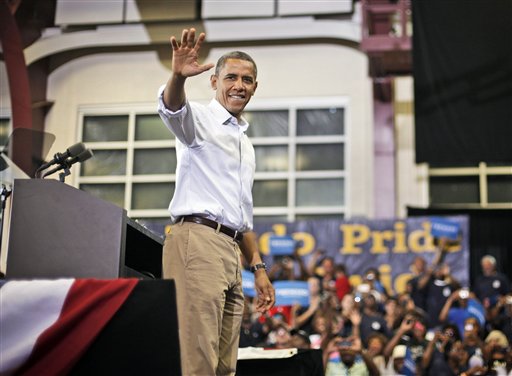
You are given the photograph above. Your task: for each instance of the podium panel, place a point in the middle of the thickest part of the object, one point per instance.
(141, 339)
(59, 231)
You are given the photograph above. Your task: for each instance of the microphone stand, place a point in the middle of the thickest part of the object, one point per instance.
(4, 193)
(58, 158)
(63, 174)
(65, 165)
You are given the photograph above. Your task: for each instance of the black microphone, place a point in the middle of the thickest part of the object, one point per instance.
(83, 156)
(72, 151)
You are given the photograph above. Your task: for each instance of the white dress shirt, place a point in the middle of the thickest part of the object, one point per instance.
(216, 164)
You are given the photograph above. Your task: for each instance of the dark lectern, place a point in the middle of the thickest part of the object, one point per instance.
(59, 231)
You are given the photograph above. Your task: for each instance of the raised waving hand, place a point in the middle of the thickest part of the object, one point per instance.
(185, 54)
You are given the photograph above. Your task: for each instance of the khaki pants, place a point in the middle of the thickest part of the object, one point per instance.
(206, 268)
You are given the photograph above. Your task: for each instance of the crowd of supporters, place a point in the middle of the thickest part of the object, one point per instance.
(434, 327)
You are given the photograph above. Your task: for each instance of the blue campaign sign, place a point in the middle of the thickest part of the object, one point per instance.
(476, 310)
(409, 367)
(444, 228)
(291, 292)
(281, 245)
(248, 283)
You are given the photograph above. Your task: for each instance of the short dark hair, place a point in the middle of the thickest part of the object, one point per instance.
(239, 55)
(302, 334)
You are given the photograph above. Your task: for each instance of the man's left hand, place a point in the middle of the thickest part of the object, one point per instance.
(265, 290)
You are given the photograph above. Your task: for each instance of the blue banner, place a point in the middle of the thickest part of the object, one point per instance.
(409, 367)
(476, 310)
(291, 292)
(281, 245)
(442, 227)
(287, 292)
(390, 245)
(248, 283)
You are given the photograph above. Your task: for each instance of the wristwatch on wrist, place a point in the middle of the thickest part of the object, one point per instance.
(261, 265)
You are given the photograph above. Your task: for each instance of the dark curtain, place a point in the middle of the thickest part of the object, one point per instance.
(490, 232)
(462, 67)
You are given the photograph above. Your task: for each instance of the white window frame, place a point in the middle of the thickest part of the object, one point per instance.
(289, 104)
(130, 145)
(292, 105)
(483, 172)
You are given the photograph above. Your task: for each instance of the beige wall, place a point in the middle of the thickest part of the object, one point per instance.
(5, 100)
(286, 71)
(411, 179)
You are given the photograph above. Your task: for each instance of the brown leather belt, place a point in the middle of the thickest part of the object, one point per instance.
(236, 235)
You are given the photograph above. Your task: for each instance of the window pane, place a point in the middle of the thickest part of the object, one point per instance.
(499, 189)
(271, 158)
(151, 127)
(113, 193)
(154, 161)
(270, 193)
(105, 163)
(267, 123)
(152, 195)
(105, 128)
(320, 157)
(327, 121)
(320, 192)
(270, 219)
(454, 190)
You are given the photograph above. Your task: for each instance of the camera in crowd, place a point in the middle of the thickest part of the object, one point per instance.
(464, 293)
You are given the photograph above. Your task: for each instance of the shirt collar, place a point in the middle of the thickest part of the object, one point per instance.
(223, 116)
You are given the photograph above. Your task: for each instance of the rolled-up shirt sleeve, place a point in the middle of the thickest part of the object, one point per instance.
(179, 122)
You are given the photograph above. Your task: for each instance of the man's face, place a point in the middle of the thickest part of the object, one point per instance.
(442, 271)
(458, 353)
(235, 85)
(419, 264)
(347, 353)
(471, 327)
(298, 342)
(370, 302)
(487, 267)
(375, 346)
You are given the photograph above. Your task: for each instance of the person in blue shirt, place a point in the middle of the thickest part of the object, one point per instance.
(461, 305)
